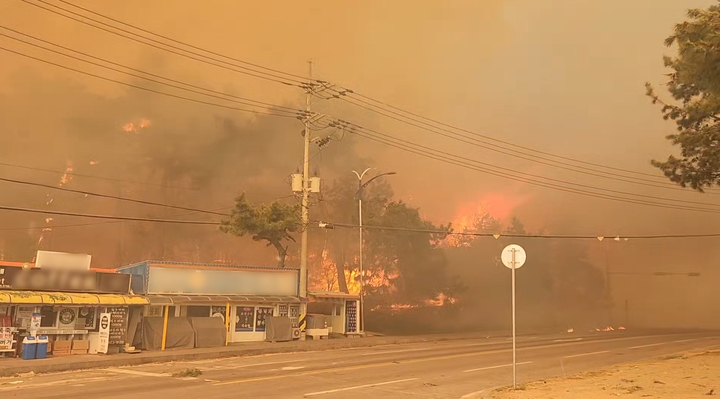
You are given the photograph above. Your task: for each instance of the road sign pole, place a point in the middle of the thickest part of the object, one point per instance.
(513, 257)
(513, 262)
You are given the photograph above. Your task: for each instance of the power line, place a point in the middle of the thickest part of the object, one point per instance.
(463, 162)
(137, 201)
(415, 115)
(93, 216)
(240, 69)
(514, 153)
(513, 235)
(221, 95)
(144, 88)
(302, 78)
(345, 92)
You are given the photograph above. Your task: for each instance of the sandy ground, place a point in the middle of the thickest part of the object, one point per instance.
(685, 376)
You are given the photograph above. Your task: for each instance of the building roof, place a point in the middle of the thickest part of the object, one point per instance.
(32, 265)
(206, 266)
(332, 295)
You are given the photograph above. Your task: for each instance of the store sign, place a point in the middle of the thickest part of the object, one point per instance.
(104, 333)
(14, 278)
(163, 280)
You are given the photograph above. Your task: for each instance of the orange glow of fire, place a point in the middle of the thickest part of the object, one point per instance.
(621, 328)
(133, 127)
(440, 300)
(571, 330)
(67, 176)
(606, 329)
(477, 215)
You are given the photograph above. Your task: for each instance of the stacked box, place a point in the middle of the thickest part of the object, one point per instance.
(80, 347)
(61, 348)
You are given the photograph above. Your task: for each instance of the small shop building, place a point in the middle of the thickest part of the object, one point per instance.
(61, 297)
(218, 304)
(341, 311)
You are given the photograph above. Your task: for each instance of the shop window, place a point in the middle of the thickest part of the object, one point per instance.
(171, 311)
(48, 316)
(198, 311)
(261, 314)
(244, 320)
(90, 317)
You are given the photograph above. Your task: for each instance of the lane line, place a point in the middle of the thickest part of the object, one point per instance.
(494, 367)
(586, 354)
(359, 387)
(648, 345)
(135, 372)
(240, 366)
(568, 340)
(426, 359)
(397, 351)
(686, 340)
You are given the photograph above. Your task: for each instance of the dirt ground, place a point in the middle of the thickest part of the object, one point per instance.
(685, 376)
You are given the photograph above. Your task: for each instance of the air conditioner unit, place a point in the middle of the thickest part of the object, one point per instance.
(295, 333)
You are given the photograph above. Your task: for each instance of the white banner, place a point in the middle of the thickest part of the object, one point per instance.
(104, 328)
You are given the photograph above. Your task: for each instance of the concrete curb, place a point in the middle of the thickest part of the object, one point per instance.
(119, 360)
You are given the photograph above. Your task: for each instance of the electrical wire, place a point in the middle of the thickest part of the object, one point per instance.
(94, 216)
(528, 157)
(194, 56)
(291, 113)
(145, 88)
(494, 139)
(464, 162)
(512, 235)
(99, 195)
(303, 79)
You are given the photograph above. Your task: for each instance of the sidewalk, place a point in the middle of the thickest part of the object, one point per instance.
(10, 367)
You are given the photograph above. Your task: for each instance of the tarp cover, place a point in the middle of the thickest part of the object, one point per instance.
(209, 331)
(278, 329)
(180, 333)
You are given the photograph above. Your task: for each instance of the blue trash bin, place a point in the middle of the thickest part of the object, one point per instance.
(41, 347)
(29, 348)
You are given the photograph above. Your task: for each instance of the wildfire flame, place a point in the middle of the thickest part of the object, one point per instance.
(135, 127)
(67, 176)
(571, 330)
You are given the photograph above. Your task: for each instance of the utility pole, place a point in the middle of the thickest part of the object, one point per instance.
(305, 193)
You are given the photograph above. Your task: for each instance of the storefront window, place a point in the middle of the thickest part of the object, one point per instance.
(48, 316)
(244, 319)
(198, 311)
(262, 313)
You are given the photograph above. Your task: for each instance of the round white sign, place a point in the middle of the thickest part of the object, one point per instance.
(507, 256)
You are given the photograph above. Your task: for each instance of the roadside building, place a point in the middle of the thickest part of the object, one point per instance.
(341, 310)
(217, 303)
(61, 297)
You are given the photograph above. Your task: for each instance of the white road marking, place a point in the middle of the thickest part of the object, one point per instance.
(396, 351)
(290, 368)
(135, 372)
(473, 395)
(586, 354)
(359, 386)
(686, 340)
(31, 384)
(494, 367)
(568, 340)
(648, 345)
(240, 366)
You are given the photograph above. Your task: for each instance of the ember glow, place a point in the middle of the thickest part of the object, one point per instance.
(135, 127)
(67, 176)
(483, 216)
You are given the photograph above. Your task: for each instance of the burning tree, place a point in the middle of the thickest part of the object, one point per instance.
(273, 223)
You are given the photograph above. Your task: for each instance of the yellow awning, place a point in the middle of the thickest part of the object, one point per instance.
(68, 298)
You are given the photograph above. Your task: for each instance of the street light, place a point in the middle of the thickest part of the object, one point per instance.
(361, 187)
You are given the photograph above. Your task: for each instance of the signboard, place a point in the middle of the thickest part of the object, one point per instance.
(118, 325)
(62, 261)
(244, 318)
(218, 311)
(6, 338)
(104, 329)
(164, 280)
(16, 278)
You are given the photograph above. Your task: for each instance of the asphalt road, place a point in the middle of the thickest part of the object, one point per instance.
(451, 369)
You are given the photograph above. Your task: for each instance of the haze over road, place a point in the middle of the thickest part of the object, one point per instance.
(450, 369)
